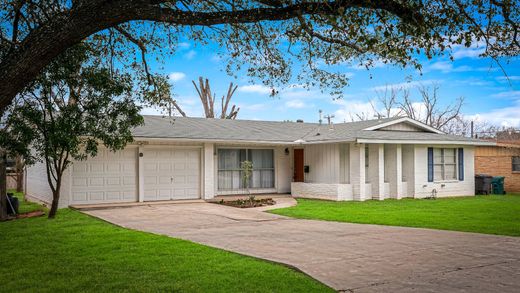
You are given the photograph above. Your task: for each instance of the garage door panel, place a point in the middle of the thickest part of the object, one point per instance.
(112, 167)
(109, 177)
(82, 181)
(113, 181)
(96, 167)
(113, 195)
(150, 167)
(177, 175)
(164, 180)
(80, 167)
(97, 181)
(96, 195)
(150, 180)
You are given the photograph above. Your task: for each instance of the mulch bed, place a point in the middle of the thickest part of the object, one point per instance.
(247, 203)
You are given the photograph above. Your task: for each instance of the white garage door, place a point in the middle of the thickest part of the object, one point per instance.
(108, 177)
(171, 173)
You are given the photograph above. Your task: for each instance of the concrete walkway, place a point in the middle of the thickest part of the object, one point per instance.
(348, 257)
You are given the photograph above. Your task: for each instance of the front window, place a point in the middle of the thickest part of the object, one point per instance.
(230, 175)
(444, 164)
(516, 164)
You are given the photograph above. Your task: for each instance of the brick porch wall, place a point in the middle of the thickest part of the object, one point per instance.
(497, 161)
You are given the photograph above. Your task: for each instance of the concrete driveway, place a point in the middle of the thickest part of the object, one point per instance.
(349, 257)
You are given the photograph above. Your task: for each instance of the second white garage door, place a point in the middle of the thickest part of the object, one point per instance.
(171, 173)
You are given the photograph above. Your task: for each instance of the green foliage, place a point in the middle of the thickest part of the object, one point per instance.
(78, 253)
(247, 170)
(494, 214)
(71, 108)
(273, 42)
(65, 114)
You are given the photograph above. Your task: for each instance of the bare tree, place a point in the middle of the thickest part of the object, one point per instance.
(390, 102)
(207, 98)
(395, 102)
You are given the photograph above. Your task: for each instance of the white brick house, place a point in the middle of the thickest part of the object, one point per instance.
(191, 158)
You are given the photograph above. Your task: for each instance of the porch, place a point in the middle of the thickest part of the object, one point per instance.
(354, 171)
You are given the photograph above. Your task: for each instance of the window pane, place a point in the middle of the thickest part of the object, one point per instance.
(228, 159)
(228, 180)
(267, 178)
(449, 156)
(255, 179)
(261, 159)
(450, 171)
(437, 156)
(516, 163)
(437, 172)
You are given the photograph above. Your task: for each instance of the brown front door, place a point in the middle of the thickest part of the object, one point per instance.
(298, 165)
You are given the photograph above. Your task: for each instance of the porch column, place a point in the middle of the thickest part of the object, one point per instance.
(376, 171)
(395, 168)
(399, 171)
(357, 170)
(208, 184)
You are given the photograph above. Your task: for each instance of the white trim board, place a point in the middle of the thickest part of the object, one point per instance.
(427, 142)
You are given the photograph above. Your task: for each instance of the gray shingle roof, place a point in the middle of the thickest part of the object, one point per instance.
(271, 131)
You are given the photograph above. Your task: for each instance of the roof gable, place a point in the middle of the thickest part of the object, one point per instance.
(404, 124)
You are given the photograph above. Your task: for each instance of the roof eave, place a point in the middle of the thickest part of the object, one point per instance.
(429, 142)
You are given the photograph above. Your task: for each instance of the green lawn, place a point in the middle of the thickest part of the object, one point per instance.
(78, 253)
(496, 214)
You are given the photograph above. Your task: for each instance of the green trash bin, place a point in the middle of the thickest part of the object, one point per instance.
(497, 184)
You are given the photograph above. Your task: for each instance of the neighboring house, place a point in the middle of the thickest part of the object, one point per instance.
(500, 160)
(191, 158)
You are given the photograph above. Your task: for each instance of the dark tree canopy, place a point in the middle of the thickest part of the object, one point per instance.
(264, 35)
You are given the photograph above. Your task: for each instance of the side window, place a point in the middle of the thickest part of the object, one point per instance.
(516, 164)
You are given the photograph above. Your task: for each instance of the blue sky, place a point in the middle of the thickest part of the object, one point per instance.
(489, 96)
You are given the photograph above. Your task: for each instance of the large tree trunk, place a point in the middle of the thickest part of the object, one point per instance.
(3, 186)
(19, 174)
(55, 201)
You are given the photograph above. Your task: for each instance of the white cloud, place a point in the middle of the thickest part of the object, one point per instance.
(176, 76)
(460, 52)
(296, 104)
(350, 108)
(406, 85)
(190, 55)
(507, 116)
(255, 88)
(507, 95)
(183, 45)
(508, 78)
(447, 67)
(253, 107)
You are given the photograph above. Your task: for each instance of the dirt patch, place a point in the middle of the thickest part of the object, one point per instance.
(30, 215)
(247, 203)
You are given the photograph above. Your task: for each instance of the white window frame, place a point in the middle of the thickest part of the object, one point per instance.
(443, 165)
(513, 164)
